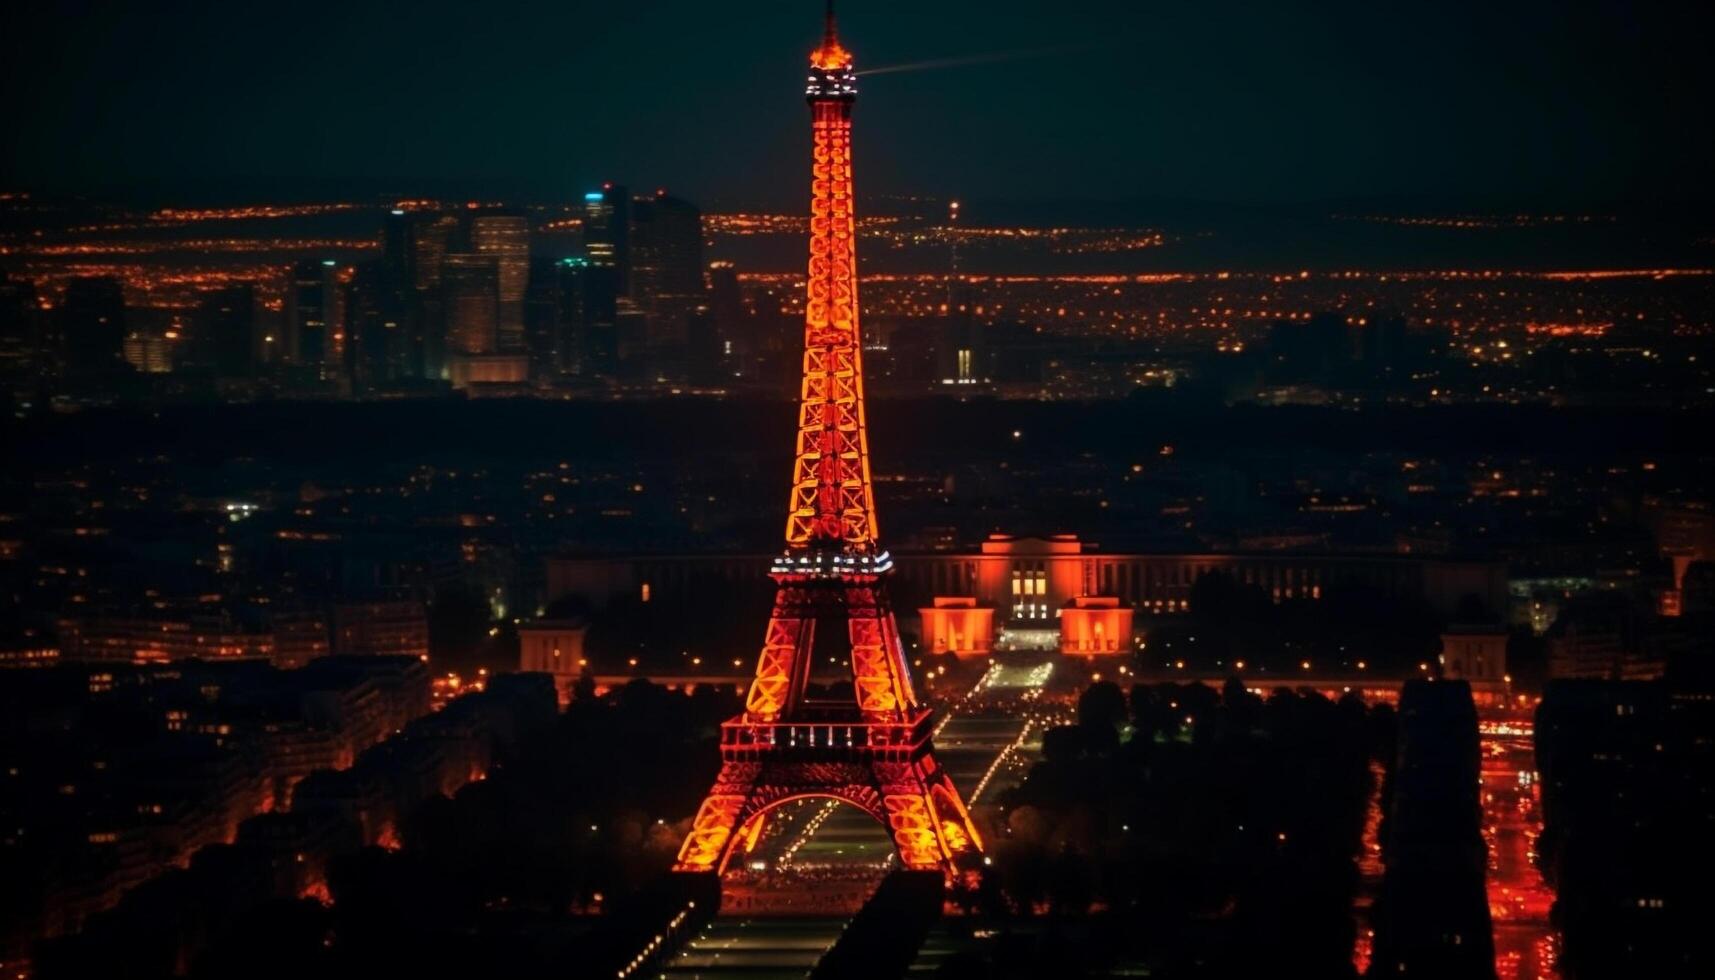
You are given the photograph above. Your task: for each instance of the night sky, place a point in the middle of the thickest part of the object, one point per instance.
(1498, 100)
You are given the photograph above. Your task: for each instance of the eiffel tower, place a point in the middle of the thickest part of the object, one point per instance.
(874, 752)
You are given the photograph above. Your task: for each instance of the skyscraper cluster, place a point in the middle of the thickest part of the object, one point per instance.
(478, 298)
(475, 297)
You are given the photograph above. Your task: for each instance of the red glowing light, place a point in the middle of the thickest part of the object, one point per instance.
(830, 56)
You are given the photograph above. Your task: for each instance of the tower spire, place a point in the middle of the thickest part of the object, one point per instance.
(833, 62)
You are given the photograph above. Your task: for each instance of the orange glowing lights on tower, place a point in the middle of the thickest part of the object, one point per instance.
(831, 499)
(830, 56)
(874, 752)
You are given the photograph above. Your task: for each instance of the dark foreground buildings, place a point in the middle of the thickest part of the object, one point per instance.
(115, 772)
(1432, 918)
(1628, 793)
(171, 919)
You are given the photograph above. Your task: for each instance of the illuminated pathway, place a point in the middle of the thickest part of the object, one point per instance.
(820, 851)
(757, 948)
(1370, 871)
(1525, 944)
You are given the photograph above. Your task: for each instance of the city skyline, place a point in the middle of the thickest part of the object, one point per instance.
(1308, 588)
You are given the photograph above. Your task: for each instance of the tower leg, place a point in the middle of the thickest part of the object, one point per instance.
(958, 833)
(712, 829)
(781, 669)
(900, 785)
(873, 680)
(912, 823)
(750, 833)
(929, 823)
(879, 675)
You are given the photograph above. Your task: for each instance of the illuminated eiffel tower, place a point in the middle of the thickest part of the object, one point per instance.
(875, 751)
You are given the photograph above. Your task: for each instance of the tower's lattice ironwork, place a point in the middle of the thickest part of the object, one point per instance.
(874, 751)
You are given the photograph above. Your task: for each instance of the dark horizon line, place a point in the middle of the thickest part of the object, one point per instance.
(262, 189)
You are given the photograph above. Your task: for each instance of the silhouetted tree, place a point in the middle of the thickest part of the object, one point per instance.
(1102, 705)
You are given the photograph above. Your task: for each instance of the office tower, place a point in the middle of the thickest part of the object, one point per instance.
(542, 327)
(224, 330)
(734, 328)
(725, 300)
(91, 325)
(507, 238)
(431, 239)
(392, 298)
(631, 341)
(704, 363)
(607, 233)
(598, 346)
(561, 299)
(315, 315)
(379, 349)
(397, 230)
(471, 287)
(666, 255)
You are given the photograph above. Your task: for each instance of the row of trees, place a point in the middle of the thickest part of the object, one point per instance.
(1231, 621)
(1209, 833)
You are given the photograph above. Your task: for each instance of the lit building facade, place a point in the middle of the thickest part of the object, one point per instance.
(554, 647)
(139, 639)
(431, 240)
(607, 234)
(287, 638)
(394, 627)
(957, 625)
(472, 285)
(149, 352)
(507, 238)
(466, 370)
(1030, 581)
(1095, 626)
(1474, 654)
